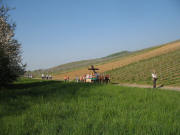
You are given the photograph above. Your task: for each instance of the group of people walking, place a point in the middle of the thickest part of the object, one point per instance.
(92, 78)
(29, 76)
(46, 77)
(66, 78)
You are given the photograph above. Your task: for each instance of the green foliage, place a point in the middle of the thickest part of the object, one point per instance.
(167, 67)
(53, 107)
(10, 53)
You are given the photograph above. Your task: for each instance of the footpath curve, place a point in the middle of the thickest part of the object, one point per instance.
(149, 86)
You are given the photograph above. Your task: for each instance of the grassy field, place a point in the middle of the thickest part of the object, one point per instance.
(34, 107)
(167, 67)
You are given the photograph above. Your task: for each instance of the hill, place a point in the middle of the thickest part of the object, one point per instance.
(125, 60)
(36, 107)
(166, 65)
(64, 68)
(80, 64)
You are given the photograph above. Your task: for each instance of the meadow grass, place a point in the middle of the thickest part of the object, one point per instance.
(35, 107)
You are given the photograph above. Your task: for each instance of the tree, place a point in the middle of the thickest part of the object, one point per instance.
(11, 66)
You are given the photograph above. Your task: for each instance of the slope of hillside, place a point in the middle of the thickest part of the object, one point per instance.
(123, 61)
(64, 68)
(166, 65)
(81, 64)
(85, 63)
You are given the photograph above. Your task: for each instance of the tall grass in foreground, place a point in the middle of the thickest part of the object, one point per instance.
(52, 108)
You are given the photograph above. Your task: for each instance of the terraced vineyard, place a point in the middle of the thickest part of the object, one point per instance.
(124, 61)
(166, 65)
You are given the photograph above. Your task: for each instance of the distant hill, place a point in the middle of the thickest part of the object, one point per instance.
(79, 64)
(118, 54)
(109, 63)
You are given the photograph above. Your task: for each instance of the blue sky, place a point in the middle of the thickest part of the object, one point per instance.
(53, 32)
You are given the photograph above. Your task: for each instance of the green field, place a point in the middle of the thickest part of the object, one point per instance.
(35, 107)
(167, 67)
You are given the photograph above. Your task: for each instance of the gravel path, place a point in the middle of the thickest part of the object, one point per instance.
(149, 86)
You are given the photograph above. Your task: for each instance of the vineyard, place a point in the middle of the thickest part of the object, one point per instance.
(125, 60)
(167, 67)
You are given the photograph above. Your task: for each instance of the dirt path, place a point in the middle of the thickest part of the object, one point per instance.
(149, 86)
(138, 85)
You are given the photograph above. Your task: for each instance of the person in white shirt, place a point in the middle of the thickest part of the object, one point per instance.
(154, 77)
(77, 79)
(87, 76)
(42, 76)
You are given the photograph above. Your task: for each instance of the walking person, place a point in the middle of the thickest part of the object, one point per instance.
(42, 76)
(154, 77)
(80, 78)
(68, 78)
(65, 78)
(77, 79)
(107, 80)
